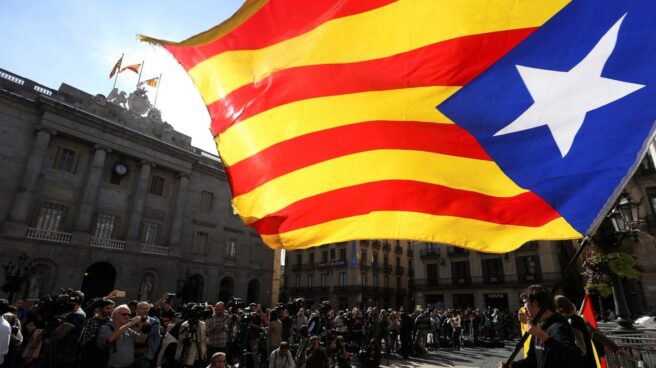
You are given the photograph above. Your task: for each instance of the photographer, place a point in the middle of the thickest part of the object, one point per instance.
(146, 353)
(192, 338)
(66, 336)
(119, 337)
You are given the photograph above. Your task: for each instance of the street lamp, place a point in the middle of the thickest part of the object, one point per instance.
(16, 275)
(624, 218)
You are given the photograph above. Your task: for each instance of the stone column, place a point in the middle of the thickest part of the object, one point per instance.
(176, 226)
(136, 213)
(24, 201)
(91, 189)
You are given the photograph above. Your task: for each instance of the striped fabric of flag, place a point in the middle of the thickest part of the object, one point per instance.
(325, 119)
(116, 68)
(134, 67)
(152, 82)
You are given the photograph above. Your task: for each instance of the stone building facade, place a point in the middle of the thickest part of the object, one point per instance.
(356, 273)
(100, 198)
(450, 277)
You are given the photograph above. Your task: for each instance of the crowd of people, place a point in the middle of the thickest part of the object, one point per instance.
(59, 332)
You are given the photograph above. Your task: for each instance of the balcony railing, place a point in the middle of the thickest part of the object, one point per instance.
(410, 252)
(297, 267)
(107, 243)
(398, 249)
(387, 268)
(387, 247)
(48, 235)
(154, 249)
(364, 243)
(429, 254)
(309, 266)
(400, 270)
(338, 263)
(375, 244)
(322, 265)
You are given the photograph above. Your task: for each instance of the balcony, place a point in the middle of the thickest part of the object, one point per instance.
(48, 235)
(323, 265)
(338, 264)
(375, 244)
(429, 254)
(364, 243)
(297, 267)
(154, 249)
(387, 247)
(387, 268)
(410, 252)
(107, 243)
(400, 270)
(309, 266)
(398, 249)
(364, 266)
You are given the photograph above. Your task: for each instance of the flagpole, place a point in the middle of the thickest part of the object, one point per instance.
(543, 309)
(159, 82)
(117, 72)
(140, 71)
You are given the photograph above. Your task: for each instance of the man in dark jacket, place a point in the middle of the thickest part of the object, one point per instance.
(552, 340)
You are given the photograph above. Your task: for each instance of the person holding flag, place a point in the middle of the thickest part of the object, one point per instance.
(552, 340)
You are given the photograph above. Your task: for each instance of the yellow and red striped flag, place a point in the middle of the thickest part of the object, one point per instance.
(324, 117)
(134, 67)
(588, 314)
(152, 82)
(116, 67)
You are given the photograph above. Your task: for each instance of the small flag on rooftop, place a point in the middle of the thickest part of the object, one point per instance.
(116, 67)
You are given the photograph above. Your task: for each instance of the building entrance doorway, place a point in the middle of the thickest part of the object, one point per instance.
(98, 280)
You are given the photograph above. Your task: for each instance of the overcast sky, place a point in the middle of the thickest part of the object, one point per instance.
(78, 43)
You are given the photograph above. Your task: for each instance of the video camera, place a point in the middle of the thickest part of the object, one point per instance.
(197, 311)
(235, 303)
(50, 307)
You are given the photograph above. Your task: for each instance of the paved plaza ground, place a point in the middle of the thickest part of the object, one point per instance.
(465, 358)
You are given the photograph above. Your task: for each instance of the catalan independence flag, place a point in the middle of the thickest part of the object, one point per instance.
(325, 119)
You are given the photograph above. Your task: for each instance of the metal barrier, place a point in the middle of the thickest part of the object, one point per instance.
(640, 348)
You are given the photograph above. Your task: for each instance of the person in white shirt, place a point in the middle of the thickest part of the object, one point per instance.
(281, 357)
(5, 331)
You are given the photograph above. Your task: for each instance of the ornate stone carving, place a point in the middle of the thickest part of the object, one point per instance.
(138, 102)
(117, 98)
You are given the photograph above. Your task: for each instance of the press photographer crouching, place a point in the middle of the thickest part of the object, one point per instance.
(120, 335)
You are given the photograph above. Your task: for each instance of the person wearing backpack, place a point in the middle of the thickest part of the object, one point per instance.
(581, 336)
(281, 357)
(90, 354)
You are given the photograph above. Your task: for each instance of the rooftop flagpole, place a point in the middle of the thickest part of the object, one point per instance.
(159, 82)
(140, 71)
(117, 71)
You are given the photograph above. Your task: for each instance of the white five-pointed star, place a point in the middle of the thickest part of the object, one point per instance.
(562, 99)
